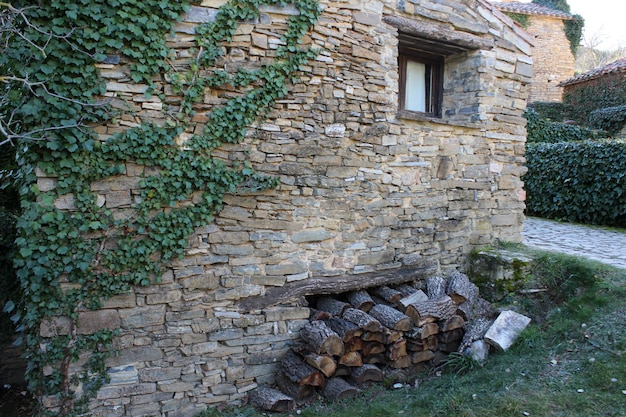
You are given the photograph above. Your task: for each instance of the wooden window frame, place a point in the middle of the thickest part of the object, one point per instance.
(434, 97)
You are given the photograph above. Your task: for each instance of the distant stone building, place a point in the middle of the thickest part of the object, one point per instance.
(552, 57)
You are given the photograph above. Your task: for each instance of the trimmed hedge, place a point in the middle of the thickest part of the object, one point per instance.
(545, 131)
(582, 182)
(611, 119)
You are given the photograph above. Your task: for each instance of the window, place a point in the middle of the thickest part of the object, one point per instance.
(421, 83)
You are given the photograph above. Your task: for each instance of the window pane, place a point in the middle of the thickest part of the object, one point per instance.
(415, 93)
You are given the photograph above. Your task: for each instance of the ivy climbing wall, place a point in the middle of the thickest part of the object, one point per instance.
(264, 150)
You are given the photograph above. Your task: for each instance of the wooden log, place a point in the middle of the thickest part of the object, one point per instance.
(431, 310)
(298, 371)
(372, 348)
(351, 359)
(391, 318)
(436, 286)
(367, 373)
(417, 296)
(397, 350)
(423, 332)
(460, 289)
(454, 322)
(392, 335)
(423, 356)
(387, 293)
(300, 393)
(295, 290)
(505, 330)
(342, 371)
(344, 328)
(354, 345)
(362, 319)
(331, 305)
(374, 337)
(430, 343)
(413, 345)
(271, 399)
(361, 299)
(475, 330)
(451, 336)
(322, 338)
(406, 289)
(324, 363)
(338, 389)
(449, 347)
(375, 358)
(403, 362)
(481, 308)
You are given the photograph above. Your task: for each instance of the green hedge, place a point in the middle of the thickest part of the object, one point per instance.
(581, 182)
(581, 100)
(545, 131)
(611, 119)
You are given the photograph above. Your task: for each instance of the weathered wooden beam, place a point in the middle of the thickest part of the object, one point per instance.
(294, 290)
(435, 32)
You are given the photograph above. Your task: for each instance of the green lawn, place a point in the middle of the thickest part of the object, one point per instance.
(571, 360)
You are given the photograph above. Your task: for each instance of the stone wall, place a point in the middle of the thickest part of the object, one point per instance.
(362, 189)
(552, 56)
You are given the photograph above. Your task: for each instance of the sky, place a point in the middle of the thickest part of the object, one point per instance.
(604, 21)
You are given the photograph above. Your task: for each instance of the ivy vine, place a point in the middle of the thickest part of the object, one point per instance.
(72, 260)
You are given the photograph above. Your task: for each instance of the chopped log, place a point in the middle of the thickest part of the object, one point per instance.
(367, 373)
(413, 345)
(354, 344)
(431, 343)
(475, 330)
(436, 286)
(417, 296)
(298, 371)
(374, 337)
(405, 289)
(477, 350)
(324, 363)
(403, 362)
(451, 336)
(300, 393)
(392, 318)
(386, 293)
(331, 305)
(319, 315)
(423, 356)
(505, 329)
(321, 338)
(431, 310)
(361, 299)
(338, 389)
(342, 371)
(344, 328)
(454, 322)
(397, 350)
(271, 399)
(460, 289)
(392, 335)
(362, 319)
(375, 358)
(424, 331)
(334, 285)
(481, 308)
(372, 348)
(351, 359)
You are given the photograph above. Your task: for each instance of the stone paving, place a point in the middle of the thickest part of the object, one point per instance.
(597, 243)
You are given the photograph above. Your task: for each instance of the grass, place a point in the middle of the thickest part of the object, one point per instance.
(571, 360)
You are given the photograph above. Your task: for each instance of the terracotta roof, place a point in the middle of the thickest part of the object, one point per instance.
(532, 9)
(612, 68)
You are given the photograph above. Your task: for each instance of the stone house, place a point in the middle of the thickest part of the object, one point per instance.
(553, 60)
(400, 149)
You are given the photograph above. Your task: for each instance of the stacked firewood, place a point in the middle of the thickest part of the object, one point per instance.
(354, 339)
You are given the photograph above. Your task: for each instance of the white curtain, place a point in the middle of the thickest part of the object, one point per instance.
(415, 93)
